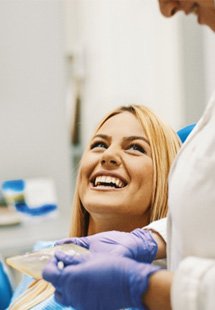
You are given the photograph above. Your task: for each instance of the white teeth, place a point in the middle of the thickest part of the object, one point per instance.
(119, 183)
(107, 180)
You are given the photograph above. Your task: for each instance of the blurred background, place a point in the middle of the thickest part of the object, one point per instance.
(64, 64)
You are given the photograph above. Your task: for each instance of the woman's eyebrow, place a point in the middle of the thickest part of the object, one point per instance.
(101, 136)
(131, 138)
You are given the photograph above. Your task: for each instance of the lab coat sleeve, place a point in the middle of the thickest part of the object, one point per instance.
(160, 227)
(194, 285)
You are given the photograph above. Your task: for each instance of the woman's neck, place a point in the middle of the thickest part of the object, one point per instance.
(100, 223)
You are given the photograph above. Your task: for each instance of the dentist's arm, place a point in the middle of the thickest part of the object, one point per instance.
(158, 295)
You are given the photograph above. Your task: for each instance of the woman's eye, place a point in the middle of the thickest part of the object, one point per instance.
(98, 144)
(137, 147)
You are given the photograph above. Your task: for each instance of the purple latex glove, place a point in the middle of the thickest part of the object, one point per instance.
(94, 282)
(138, 245)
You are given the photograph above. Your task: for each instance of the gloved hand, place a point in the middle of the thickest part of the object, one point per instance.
(138, 245)
(94, 282)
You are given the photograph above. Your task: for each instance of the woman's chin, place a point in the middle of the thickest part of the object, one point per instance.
(110, 207)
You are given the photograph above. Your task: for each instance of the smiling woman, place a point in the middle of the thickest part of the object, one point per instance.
(122, 179)
(121, 184)
(116, 175)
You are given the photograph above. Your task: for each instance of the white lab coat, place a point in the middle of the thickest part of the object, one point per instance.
(191, 220)
(160, 227)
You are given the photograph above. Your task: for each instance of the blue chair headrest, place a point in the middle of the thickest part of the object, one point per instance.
(5, 287)
(184, 132)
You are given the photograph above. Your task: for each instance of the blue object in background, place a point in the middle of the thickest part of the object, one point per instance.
(36, 211)
(5, 287)
(13, 190)
(16, 185)
(31, 197)
(184, 132)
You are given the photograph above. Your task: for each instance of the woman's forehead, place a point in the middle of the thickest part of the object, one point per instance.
(122, 123)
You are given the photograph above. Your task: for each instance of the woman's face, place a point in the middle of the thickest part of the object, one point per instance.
(116, 173)
(203, 9)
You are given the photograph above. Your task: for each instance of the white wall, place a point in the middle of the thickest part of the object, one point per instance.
(33, 132)
(132, 54)
(125, 59)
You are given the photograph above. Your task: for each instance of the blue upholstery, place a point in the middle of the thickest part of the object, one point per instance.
(184, 132)
(5, 287)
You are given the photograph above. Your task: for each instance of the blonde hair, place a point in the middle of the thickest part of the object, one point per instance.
(164, 145)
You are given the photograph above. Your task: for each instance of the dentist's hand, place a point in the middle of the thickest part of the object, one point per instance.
(138, 245)
(98, 281)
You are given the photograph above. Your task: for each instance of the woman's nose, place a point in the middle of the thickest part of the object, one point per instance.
(110, 160)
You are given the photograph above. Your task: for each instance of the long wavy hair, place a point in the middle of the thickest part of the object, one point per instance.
(164, 144)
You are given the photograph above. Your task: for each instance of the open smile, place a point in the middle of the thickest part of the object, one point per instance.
(107, 182)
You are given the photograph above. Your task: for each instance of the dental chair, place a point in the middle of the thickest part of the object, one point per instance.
(184, 132)
(6, 290)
